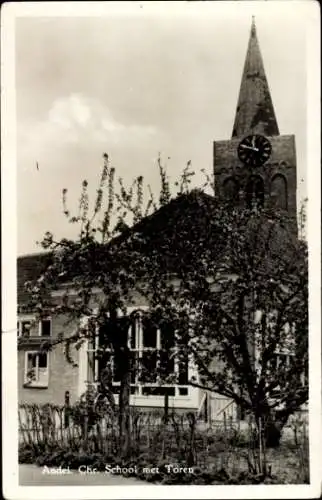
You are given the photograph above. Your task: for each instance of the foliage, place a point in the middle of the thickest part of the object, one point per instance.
(229, 283)
(241, 312)
(219, 458)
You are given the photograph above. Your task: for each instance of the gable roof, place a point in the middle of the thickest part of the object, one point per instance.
(168, 239)
(155, 235)
(29, 268)
(171, 231)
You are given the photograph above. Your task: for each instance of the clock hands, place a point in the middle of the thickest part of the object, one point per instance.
(254, 150)
(244, 146)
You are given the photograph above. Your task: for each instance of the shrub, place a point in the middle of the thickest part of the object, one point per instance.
(26, 454)
(218, 455)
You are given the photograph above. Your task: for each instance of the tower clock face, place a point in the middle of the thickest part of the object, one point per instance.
(254, 150)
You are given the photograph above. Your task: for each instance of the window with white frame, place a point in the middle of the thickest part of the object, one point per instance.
(155, 365)
(36, 369)
(23, 328)
(28, 327)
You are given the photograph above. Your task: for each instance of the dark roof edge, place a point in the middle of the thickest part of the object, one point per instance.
(35, 254)
(138, 225)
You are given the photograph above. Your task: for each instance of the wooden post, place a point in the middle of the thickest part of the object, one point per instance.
(166, 406)
(165, 422)
(67, 409)
(260, 445)
(191, 459)
(206, 408)
(85, 435)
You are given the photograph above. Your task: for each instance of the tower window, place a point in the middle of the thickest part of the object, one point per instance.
(255, 192)
(278, 192)
(231, 189)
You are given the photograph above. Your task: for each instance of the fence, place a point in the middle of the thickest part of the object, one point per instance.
(176, 438)
(172, 438)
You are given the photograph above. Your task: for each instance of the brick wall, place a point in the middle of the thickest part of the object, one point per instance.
(282, 161)
(62, 375)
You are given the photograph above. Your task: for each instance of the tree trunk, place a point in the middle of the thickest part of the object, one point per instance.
(272, 429)
(124, 403)
(119, 338)
(272, 434)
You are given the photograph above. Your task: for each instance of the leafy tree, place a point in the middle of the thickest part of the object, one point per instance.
(239, 307)
(98, 266)
(230, 284)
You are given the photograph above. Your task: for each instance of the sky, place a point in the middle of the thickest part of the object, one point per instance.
(135, 82)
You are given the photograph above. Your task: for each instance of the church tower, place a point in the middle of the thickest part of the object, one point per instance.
(257, 165)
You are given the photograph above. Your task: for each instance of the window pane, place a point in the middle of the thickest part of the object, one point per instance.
(148, 367)
(45, 328)
(104, 359)
(32, 360)
(114, 332)
(25, 328)
(167, 336)
(122, 330)
(183, 371)
(183, 391)
(149, 334)
(117, 368)
(134, 366)
(42, 360)
(105, 370)
(31, 370)
(43, 376)
(133, 330)
(166, 363)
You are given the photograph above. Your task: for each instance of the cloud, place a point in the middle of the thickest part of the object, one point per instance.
(77, 119)
(77, 115)
(69, 112)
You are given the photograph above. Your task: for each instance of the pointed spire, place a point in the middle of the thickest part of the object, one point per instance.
(253, 27)
(255, 111)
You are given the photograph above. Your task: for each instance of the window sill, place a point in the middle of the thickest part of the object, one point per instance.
(36, 340)
(158, 401)
(27, 385)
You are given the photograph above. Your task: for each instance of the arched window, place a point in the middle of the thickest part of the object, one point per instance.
(278, 192)
(255, 192)
(231, 189)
